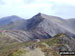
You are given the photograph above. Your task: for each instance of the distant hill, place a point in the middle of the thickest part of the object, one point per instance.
(40, 26)
(11, 22)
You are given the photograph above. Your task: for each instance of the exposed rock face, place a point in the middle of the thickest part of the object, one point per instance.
(49, 24)
(72, 22)
(40, 26)
(66, 42)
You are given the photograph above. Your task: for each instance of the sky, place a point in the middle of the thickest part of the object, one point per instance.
(28, 8)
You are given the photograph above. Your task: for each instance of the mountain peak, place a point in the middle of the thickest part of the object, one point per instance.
(39, 14)
(43, 15)
(11, 17)
(14, 16)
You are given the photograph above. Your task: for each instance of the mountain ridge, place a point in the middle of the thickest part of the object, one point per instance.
(39, 26)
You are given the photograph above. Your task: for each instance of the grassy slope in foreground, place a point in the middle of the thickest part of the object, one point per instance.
(48, 47)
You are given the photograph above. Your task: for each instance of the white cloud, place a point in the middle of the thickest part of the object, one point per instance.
(20, 8)
(69, 2)
(28, 8)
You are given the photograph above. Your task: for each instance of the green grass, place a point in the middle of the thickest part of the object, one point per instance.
(8, 48)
